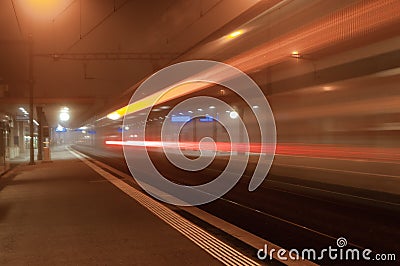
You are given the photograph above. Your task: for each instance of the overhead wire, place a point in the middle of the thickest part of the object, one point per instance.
(82, 36)
(16, 17)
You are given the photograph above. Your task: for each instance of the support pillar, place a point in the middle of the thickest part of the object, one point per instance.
(39, 114)
(21, 138)
(31, 84)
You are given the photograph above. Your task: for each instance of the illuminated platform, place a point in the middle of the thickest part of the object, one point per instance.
(64, 212)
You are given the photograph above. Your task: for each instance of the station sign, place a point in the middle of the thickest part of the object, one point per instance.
(180, 119)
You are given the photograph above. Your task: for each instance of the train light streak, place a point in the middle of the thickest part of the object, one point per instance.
(357, 19)
(286, 149)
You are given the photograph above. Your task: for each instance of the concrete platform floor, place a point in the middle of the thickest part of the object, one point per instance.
(64, 213)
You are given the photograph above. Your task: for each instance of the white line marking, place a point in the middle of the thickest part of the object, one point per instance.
(244, 236)
(212, 245)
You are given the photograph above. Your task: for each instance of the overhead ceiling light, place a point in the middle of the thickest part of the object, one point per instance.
(165, 107)
(64, 116)
(233, 115)
(235, 34)
(113, 116)
(212, 107)
(327, 88)
(295, 54)
(23, 110)
(35, 122)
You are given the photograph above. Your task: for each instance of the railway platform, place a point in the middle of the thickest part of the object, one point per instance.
(63, 212)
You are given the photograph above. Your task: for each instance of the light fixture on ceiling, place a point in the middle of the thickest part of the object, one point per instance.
(23, 110)
(235, 34)
(113, 116)
(296, 54)
(233, 115)
(64, 116)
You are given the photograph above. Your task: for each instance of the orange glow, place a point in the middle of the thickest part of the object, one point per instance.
(43, 9)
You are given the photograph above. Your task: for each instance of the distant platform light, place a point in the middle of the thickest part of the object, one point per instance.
(64, 116)
(296, 54)
(255, 106)
(235, 34)
(212, 107)
(23, 110)
(233, 115)
(165, 107)
(113, 116)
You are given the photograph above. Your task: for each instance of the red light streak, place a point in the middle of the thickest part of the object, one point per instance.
(306, 150)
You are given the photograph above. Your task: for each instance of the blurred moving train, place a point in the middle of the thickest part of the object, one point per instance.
(331, 80)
